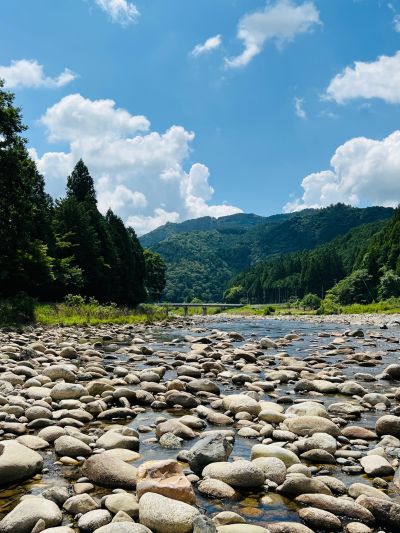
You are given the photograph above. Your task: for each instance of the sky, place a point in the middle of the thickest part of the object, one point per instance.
(189, 108)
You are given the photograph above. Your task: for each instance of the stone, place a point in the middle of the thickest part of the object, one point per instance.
(303, 485)
(288, 527)
(176, 516)
(181, 398)
(359, 489)
(112, 439)
(321, 441)
(58, 495)
(124, 455)
(319, 519)
(67, 391)
(27, 513)
(93, 520)
(386, 512)
(228, 517)
(71, 447)
(216, 488)
(376, 466)
(318, 456)
(55, 372)
(308, 425)
(351, 388)
(123, 527)
(308, 409)
(241, 528)
(206, 385)
(18, 462)
(164, 477)
(334, 485)
(357, 432)
(388, 425)
(373, 398)
(123, 502)
(393, 371)
(337, 506)
(170, 441)
(203, 524)
(241, 474)
(274, 469)
(121, 516)
(237, 403)
(212, 449)
(267, 450)
(175, 427)
(32, 442)
(110, 472)
(81, 503)
(356, 527)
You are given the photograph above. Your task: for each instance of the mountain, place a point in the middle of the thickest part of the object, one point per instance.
(200, 263)
(240, 220)
(307, 271)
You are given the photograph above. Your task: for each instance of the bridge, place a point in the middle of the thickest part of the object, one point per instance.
(204, 306)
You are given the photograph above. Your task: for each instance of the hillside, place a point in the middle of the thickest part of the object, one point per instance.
(200, 263)
(307, 271)
(240, 220)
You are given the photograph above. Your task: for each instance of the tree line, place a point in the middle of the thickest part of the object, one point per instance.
(51, 248)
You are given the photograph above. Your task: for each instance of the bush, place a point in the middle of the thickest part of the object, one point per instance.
(389, 285)
(17, 310)
(269, 310)
(354, 288)
(311, 300)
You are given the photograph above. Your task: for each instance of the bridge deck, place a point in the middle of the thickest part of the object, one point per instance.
(204, 306)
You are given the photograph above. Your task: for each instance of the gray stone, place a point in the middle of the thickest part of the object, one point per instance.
(212, 449)
(26, 514)
(93, 520)
(18, 462)
(110, 472)
(176, 516)
(243, 474)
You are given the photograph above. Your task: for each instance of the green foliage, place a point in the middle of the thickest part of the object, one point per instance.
(311, 300)
(155, 274)
(389, 285)
(355, 288)
(233, 295)
(269, 310)
(51, 249)
(202, 263)
(16, 310)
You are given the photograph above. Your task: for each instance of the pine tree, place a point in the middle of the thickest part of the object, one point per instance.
(80, 184)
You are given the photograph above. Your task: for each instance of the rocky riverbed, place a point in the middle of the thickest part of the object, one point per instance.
(201, 425)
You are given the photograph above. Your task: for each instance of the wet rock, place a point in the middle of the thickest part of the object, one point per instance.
(110, 472)
(319, 456)
(58, 495)
(357, 432)
(356, 527)
(212, 449)
(335, 485)
(26, 514)
(308, 409)
(175, 427)
(388, 425)
(203, 524)
(337, 506)
(18, 462)
(164, 477)
(216, 489)
(240, 474)
(228, 517)
(303, 485)
(123, 527)
(393, 371)
(359, 489)
(351, 388)
(319, 519)
(55, 372)
(111, 440)
(237, 403)
(176, 517)
(288, 527)
(376, 466)
(67, 391)
(373, 398)
(206, 385)
(386, 512)
(170, 441)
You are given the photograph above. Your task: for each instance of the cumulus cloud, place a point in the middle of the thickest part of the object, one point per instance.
(28, 73)
(211, 44)
(378, 79)
(396, 22)
(280, 23)
(363, 169)
(119, 11)
(298, 103)
(138, 173)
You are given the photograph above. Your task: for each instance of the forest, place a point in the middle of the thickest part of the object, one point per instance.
(53, 248)
(200, 264)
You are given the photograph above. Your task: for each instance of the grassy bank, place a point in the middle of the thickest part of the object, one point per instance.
(75, 310)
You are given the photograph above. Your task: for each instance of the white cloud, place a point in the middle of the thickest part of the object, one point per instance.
(28, 73)
(211, 44)
(363, 170)
(396, 22)
(139, 174)
(298, 102)
(119, 11)
(280, 23)
(379, 79)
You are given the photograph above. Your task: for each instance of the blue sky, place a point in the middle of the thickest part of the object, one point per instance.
(263, 118)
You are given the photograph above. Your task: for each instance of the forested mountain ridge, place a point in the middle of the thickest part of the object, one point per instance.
(307, 271)
(200, 263)
(239, 220)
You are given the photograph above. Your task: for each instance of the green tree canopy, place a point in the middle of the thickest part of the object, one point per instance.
(155, 274)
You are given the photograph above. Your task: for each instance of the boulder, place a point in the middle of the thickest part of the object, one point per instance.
(351, 388)
(308, 409)
(376, 466)
(308, 425)
(242, 474)
(111, 440)
(205, 385)
(71, 447)
(81, 503)
(123, 502)
(164, 515)
(216, 489)
(212, 449)
(67, 391)
(386, 512)
(26, 514)
(319, 519)
(176, 428)
(164, 477)
(337, 506)
(110, 472)
(361, 489)
(93, 520)
(267, 450)
(295, 486)
(17, 462)
(388, 425)
(274, 469)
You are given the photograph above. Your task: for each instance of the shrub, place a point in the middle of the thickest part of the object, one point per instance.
(17, 310)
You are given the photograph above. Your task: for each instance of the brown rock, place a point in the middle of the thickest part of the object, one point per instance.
(165, 478)
(357, 432)
(337, 506)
